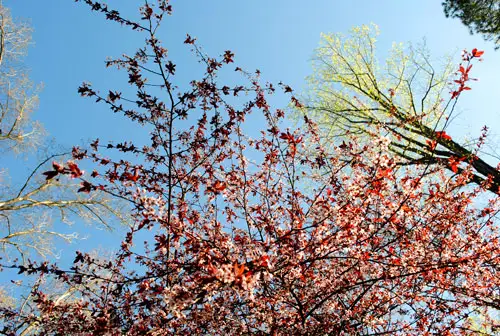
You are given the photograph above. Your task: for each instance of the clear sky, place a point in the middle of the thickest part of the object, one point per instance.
(276, 36)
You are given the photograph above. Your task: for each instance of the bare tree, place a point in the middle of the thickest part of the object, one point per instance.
(18, 95)
(28, 212)
(28, 209)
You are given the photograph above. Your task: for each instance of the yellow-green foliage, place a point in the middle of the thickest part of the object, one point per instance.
(350, 92)
(485, 323)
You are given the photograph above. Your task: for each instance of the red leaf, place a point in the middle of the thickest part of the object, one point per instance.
(264, 261)
(384, 172)
(216, 187)
(453, 162)
(219, 186)
(343, 145)
(50, 174)
(286, 136)
(170, 67)
(75, 171)
(143, 223)
(443, 135)
(189, 40)
(431, 144)
(296, 102)
(238, 270)
(86, 187)
(95, 144)
(477, 53)
(228, 57)
(135, 177)
(128, 176)
(57, 167)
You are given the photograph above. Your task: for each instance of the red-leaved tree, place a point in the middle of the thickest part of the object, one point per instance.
(262, 235)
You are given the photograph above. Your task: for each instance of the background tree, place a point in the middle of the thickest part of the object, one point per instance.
(406, 99)
(18, 95)
(28, 212)
(480, 16)
(484, 323)
(30, 206)
(259, 235)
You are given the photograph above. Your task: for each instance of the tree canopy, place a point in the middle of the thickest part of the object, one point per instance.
(407, 99)
(29, 208)
(480, 16)
(261, 235)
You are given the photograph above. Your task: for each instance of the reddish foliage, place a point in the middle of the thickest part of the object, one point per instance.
(463, 71)
(432, 144)
(477, 53)
(72, 169)
(443, 135)
(271, 235)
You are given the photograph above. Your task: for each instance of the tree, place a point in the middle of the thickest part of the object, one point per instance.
(406, 99)
(480, 16)
(18, 95)
(27, 213)
(28, 210)
(484, 323)
(261, 236)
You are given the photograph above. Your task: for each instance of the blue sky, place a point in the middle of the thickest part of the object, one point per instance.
(276, 36)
